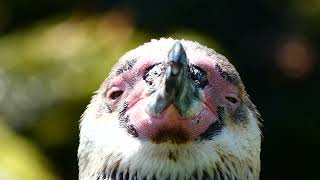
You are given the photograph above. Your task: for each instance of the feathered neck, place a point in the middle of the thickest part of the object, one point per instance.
(167, 161)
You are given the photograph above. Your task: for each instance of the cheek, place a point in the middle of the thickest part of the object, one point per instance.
(216, 93)
(136, 93)
(213, 97)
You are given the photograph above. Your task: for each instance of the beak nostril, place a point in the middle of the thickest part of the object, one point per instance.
(198, 75)
(152, 73)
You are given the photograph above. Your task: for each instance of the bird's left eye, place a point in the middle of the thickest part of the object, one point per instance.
(198, 75)
(233, 100)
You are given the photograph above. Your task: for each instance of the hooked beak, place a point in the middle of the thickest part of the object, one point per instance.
(176, 71)
(177, 88)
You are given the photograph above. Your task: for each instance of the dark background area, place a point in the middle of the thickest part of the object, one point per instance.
(273, 44)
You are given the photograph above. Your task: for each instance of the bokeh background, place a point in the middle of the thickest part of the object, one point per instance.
(54, 54)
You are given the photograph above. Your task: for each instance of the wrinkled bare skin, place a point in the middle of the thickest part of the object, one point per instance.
(170, 109)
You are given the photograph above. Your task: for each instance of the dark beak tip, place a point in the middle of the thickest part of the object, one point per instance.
(177, 54)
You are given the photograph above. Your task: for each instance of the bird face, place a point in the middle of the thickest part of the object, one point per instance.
(171, 97)
(166, 104)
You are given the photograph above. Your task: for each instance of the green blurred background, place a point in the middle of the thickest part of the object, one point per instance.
(54, 54)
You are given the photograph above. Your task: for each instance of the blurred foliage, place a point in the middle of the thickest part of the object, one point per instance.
(47, 63)
(20, 159)
(48, 73)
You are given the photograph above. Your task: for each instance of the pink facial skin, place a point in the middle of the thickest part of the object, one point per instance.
(147, 124)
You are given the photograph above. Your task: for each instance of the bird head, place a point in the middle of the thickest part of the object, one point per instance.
(170, 109)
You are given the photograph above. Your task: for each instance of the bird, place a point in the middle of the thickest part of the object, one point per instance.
(170, 109)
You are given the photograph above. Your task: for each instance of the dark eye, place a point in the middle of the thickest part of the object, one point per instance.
(198, 75)
(153, 72)
(115, 94)
(232, 99)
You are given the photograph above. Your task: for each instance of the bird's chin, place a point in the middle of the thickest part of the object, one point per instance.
(169, 126)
